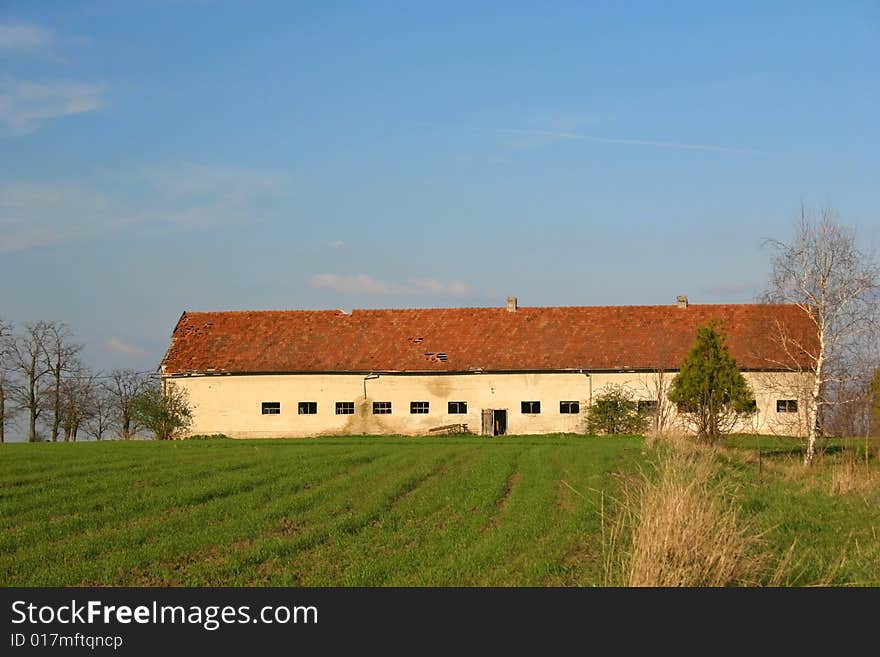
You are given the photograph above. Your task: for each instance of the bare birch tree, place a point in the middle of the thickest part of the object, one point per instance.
(822, 271)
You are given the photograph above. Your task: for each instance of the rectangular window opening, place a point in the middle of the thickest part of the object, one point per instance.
(307, 408)
(381, 408)
(569, 407)
(344, 408)
(271, 408)
(786, 406)
(531, 407)
(457, 408)
(419, 408)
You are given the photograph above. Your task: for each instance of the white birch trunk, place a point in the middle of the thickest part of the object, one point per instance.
(813, 416)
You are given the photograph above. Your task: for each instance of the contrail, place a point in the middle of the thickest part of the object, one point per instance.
(633, 142)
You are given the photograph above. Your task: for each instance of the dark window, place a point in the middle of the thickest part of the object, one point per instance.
(381, 408)
(344, 408)
(457, 408)
(418, 408)
(271, 408)
(647, 406)
(307, 408)
(531, 407)
(569, 407)
(786, 405)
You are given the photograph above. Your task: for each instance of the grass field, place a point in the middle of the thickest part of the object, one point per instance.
(376, 511)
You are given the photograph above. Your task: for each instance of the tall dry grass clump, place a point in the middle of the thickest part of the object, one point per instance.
(678, 527)
(682, 443)
(851, 476)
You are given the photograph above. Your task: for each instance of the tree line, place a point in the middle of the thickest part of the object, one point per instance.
(44, 383)
(821, 270)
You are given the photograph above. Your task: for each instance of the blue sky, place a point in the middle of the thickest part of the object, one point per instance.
(158, 156)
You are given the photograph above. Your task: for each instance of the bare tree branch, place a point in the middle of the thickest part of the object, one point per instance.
(124, 387)
(822, 271)
(28, 363)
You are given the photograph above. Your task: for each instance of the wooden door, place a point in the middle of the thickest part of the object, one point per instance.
(488, 424)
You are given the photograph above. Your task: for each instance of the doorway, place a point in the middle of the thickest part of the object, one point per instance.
(494, 422)
(499, 421)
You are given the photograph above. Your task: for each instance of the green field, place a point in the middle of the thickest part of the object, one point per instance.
(371, 511)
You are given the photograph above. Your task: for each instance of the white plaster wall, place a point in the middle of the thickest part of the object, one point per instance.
(231, 404)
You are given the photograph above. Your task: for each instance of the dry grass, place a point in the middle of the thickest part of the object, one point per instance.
(678, 527)
(680, 442)
(853, 477)
(847, 473)
(681, 524)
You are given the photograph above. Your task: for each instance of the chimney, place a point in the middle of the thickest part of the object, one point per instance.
(682, 301)
(511, 304)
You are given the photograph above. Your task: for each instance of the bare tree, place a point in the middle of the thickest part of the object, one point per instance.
(77, 401)
(125, 386)
(659, 410)
(28, 362)
(853, 415)
(61, 359)
(822, 271)
(101, 413)
(5, 379)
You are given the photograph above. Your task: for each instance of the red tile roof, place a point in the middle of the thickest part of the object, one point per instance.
(466, 339)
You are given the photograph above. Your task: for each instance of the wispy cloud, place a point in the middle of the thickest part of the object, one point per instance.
(24, 37)
(364, 284)
(189, 180)
(179, 197)
(629, 142)
(338, 244)
(34, 214)
(119, 346)
(25, 105)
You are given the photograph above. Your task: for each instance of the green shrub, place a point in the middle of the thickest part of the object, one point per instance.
(615, 411)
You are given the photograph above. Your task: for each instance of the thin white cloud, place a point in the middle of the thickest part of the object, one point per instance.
(188, 180)
(120, 346)
(631, 142)
(183, 197)
(338, 244)
(34, 214)
(364, 284)
(24, 37)
(25, 105)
